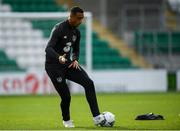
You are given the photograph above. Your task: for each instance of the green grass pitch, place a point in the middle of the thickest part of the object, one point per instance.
(42, 112)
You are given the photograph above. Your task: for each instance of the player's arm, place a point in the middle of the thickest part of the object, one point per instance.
(55, 34)
(76, 47)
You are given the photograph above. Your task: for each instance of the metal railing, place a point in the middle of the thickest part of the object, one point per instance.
(161, 49)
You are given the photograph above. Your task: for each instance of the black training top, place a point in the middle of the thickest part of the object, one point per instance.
(64, 39)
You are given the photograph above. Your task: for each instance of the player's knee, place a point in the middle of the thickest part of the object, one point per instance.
(66, 98)
(91, 83)
(88, 85)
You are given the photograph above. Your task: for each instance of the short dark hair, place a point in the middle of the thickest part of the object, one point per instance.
(76, 9)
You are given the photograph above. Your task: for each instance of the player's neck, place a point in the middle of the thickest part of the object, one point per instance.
(70, 23)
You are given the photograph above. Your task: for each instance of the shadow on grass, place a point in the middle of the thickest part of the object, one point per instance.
(101, 128)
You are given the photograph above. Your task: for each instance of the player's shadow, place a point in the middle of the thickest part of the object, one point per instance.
(101, 128)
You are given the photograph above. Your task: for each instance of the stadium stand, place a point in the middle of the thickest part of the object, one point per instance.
(161, 40)
(25, 40)
(151, 27)
(161, 45)
(34, 5)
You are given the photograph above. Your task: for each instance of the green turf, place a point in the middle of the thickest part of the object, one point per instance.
(42, 112)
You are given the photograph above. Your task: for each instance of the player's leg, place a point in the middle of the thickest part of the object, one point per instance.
(81, 77)
(59, 82)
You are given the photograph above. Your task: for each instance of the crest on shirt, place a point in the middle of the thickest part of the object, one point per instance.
(59, 79)
(74, 38)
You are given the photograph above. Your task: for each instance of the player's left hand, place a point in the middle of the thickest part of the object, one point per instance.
(75, 65)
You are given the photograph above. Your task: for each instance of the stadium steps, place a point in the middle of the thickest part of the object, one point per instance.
(115, 42)
(171, 21)
(66, 3)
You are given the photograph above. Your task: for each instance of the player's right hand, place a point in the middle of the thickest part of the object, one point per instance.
(62, 59)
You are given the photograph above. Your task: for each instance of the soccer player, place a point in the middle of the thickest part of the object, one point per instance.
(60, 66)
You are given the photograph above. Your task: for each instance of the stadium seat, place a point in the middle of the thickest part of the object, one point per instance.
(8, 64)
(161, 40)
(34, 5)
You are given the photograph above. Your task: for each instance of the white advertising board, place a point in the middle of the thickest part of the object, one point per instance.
(131, 80)
(178, 80)
(33, 82)
(37, 82)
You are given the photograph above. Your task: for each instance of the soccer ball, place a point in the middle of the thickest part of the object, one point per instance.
(109, 119)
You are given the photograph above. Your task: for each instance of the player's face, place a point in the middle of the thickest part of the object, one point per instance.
(77, 19)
